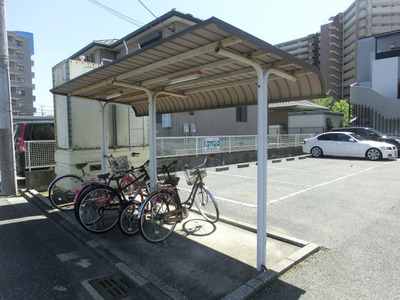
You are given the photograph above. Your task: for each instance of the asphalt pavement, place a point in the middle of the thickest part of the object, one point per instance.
(199, 261)
(40, 260)
(348, 206)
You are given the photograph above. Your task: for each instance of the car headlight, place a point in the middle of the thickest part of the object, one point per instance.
(387, 148)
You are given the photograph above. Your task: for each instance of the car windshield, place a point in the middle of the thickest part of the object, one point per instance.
(357, 137)
(377, 132)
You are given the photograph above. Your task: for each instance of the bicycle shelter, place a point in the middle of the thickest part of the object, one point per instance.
(209, 65)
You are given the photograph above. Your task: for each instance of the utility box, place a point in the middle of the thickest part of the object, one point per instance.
(275, 129)
(79, 123)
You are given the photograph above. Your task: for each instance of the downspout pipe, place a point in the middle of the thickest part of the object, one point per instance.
(262, 153)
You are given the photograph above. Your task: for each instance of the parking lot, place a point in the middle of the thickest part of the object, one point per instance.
(292, 183)
(350, 207)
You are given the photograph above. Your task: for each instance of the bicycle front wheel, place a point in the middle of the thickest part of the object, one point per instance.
(62, 191)
(206, 204)
(98, 208)
(128, 220)
(158, 216)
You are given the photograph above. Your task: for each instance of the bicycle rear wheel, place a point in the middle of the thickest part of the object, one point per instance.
(206, 204)
(157, 217)
(128, 220)
(98, 208)
(62, 191)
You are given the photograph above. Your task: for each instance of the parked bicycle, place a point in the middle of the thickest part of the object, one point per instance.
(63, 190)
(161, 211)
(97, 208)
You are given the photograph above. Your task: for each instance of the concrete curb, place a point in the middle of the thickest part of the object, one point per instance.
(163, 290)
(254, 285)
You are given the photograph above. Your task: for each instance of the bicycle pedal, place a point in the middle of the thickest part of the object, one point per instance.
(185, 212)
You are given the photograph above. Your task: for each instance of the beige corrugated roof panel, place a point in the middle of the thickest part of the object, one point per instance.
(188, 74)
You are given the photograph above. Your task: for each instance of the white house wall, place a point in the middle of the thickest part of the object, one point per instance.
(301, 121)
(385, 76)
(78, 125)
(211, 122)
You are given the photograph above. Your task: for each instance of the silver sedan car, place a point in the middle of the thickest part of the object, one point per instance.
(349, 145)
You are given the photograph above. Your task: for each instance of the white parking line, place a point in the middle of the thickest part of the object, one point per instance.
(225, 199)
(255, 179)
(322, 184)
(20, 220)
(309, 187)
(233, 175)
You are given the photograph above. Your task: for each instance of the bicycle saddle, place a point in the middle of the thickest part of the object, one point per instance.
(81, 165)
(103, 176)
(172, 181)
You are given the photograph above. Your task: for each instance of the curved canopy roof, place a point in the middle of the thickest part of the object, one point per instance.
(215, 80)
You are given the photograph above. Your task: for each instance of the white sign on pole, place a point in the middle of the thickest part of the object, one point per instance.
(212, 144)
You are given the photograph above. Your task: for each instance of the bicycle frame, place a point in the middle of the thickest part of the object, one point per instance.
(123, 182)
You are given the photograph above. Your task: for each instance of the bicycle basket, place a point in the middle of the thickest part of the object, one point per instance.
(191, 175)
(120, 164)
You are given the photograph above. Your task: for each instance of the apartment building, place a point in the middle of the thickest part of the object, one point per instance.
(333, 50)
(376, 93)
(20, 50)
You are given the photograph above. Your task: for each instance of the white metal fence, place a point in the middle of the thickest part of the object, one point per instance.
(39, 154)
(196, 145)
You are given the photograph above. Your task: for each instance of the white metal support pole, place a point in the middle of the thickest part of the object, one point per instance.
(152, 141)
(262, 156)
(152, 126)
(262, 147)
(103, 138)
(262, 144)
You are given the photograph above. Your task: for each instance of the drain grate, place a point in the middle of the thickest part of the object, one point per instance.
(111, 287)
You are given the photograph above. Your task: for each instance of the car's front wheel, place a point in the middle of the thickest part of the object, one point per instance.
(373, 154)
(316, 152)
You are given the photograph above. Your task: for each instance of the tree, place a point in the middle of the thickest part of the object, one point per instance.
(342, 106)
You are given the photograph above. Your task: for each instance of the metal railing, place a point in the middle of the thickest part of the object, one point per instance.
(197, 145)
(39, 154)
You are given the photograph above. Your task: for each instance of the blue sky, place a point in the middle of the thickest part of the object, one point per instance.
(61, 27)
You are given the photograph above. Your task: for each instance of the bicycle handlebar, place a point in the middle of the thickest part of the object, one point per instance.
(198, 166)
(133, 154)
(166, 167)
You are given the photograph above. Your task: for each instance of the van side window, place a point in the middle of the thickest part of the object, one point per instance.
(42, 132)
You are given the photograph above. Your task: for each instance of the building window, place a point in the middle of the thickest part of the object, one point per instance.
(241, 114)
(21, 92)
(20, 55)
(158, 118)
(20, 68)
(19, 43)
(21, 80)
